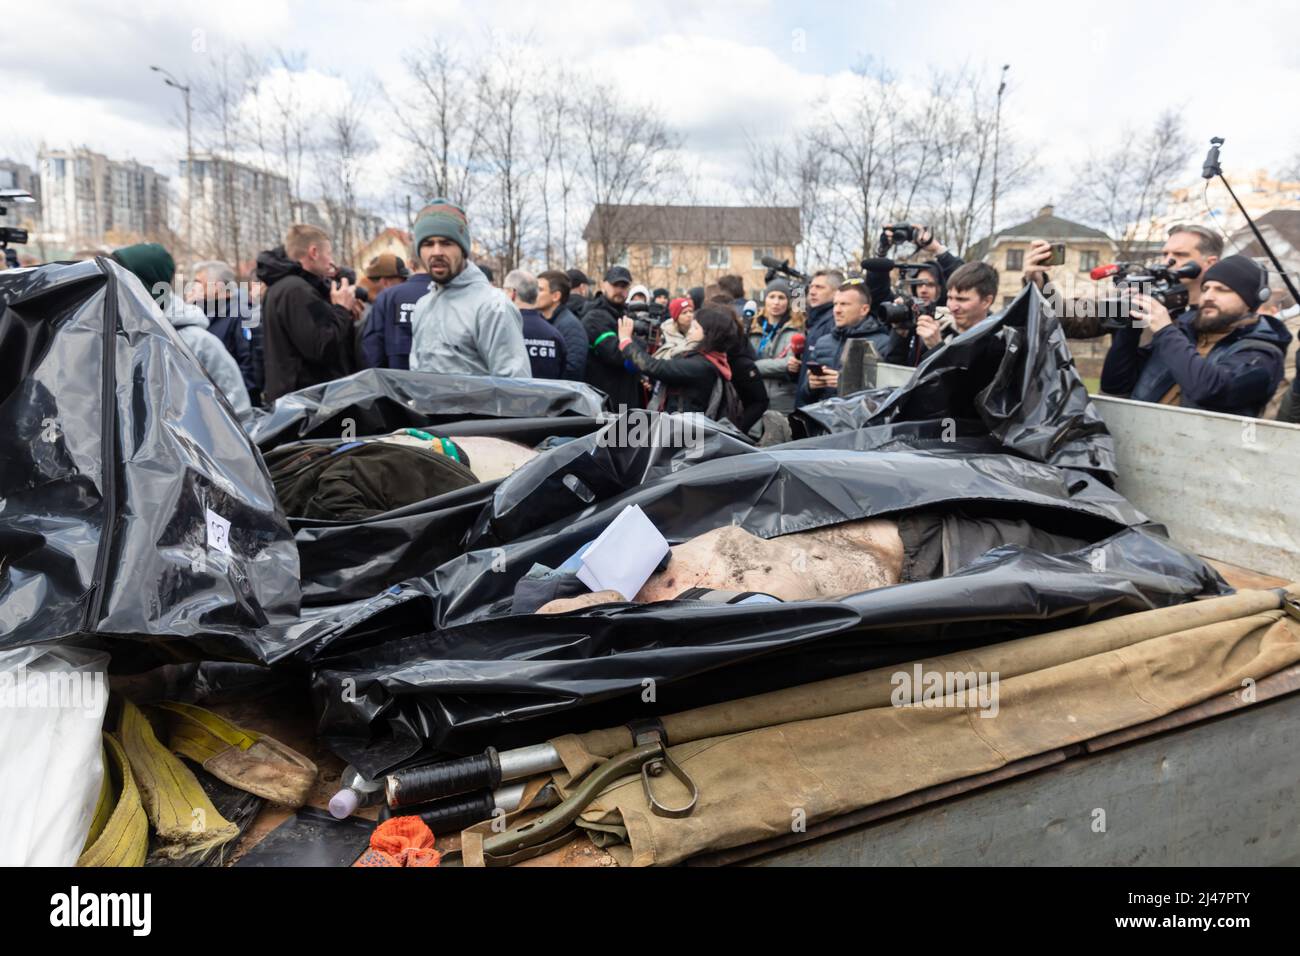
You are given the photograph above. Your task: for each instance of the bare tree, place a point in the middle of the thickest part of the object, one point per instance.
(1126, 186)
(440, 116)
(550, 105)
(344, 150)
(507, 153)
(625, 156)
(219, 98)
(860, 139)
(794, 172)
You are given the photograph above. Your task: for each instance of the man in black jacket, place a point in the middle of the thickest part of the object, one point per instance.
(606, 369)
(579, 289)
(308, 321)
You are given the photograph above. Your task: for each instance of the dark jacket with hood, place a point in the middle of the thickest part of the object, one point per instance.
(607, 369)
(687, 380)
(386, 340)
(1238, 376)
(308, 339)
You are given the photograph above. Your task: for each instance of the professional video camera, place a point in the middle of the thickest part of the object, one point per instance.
(1155, 279)
(10, 234)
(646, 319)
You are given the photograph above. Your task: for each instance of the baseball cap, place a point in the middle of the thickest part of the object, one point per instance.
(618, 274)
(387, 266)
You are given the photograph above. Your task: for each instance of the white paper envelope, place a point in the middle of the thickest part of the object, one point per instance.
(625, 555)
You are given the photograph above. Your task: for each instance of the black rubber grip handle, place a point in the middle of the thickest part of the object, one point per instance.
(456, 813)
(422, 784)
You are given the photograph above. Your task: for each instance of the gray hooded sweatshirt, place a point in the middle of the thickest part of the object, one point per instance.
(192, 326)
(468, 328)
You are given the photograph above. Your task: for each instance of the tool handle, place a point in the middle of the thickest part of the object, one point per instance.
(421, 784)
(451, 814)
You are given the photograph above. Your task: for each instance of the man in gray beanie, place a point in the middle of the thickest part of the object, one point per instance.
(463, 325)
(1222, 356)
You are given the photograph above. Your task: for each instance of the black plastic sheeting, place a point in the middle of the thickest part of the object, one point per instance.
(998, 425)
(121, 465)
(1013, 374)
(111, 535)
(349, 561)
(381, 400)
(476, 675)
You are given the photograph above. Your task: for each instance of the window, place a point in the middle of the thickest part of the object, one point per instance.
(760, 253)
(1088, 260)
(1015, 260)
(719, 257)
(661, 255)
(620, 259)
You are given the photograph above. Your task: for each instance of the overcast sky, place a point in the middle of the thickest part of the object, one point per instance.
(77, 72)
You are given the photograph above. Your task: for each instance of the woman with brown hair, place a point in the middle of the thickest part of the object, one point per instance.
(772, 333)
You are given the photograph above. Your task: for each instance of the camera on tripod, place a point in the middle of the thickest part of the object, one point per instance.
(1156, 279)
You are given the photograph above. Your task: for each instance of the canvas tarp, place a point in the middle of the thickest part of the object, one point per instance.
(1053, 690)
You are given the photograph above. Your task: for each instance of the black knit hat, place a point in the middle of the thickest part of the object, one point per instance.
(1243, 276)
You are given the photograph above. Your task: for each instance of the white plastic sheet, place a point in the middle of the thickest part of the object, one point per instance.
(52, 702)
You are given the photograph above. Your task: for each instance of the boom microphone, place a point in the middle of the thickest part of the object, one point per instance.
(777, 265)
(878, 265)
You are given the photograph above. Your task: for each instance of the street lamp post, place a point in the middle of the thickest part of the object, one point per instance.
(189, 157)
(997, 135)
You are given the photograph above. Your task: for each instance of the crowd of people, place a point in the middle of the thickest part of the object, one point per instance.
(306, 320)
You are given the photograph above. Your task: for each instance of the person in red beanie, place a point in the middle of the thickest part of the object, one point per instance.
(681, 312)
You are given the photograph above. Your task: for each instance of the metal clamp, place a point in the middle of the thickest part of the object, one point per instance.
(653, 733)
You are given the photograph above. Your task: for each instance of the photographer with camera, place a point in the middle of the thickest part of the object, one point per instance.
(921, 326)
(1222, 357)
(699, 380)
(606, 368)
(852, 320)
(1187, 243)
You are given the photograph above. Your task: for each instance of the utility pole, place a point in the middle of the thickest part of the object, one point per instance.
(997, 136)
(189, 158)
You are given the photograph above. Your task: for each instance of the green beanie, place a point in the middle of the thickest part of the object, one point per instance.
(445, 219)
(151, 264)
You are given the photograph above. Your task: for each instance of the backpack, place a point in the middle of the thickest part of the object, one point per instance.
(725, 403)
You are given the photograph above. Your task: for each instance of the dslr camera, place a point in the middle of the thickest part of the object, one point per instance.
(903, 232)
(902, 316)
